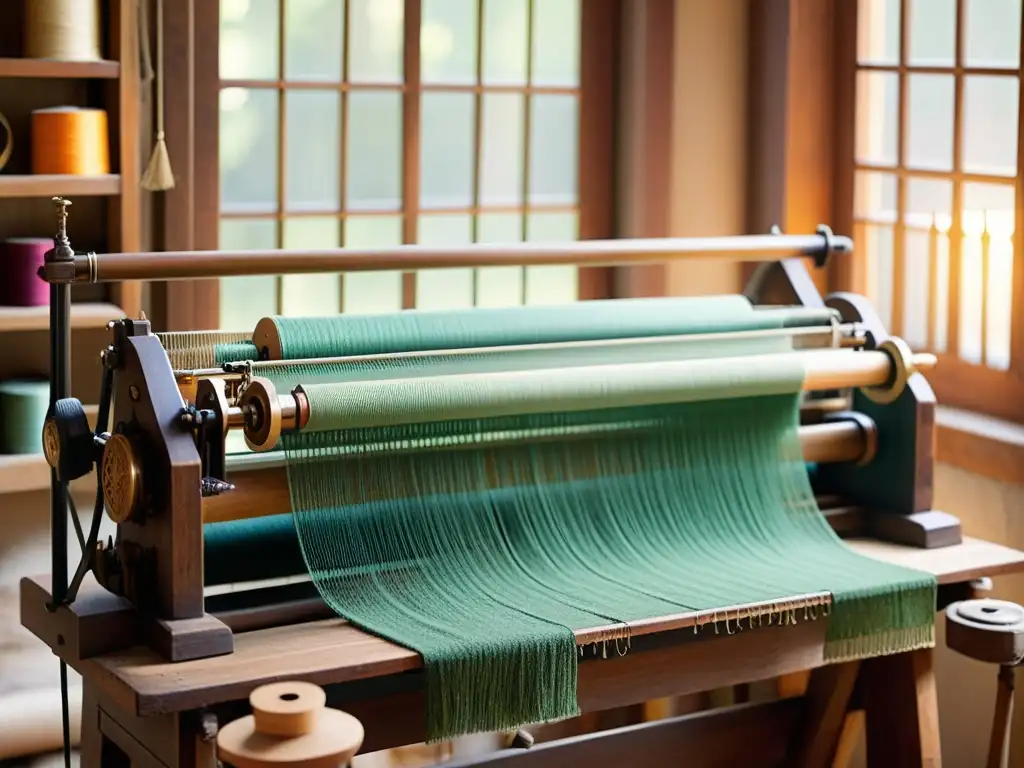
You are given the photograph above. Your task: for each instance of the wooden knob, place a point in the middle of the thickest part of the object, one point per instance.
(986, 630)
(290, 726)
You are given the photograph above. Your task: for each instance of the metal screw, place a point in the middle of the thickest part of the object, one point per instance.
(133, 392)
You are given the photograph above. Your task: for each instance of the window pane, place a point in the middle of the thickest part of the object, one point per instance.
(927, 259)
(312, 128)
(877, 115)
(314, 31)
(916, 281)
(556, 284)
(878, 31)
(992, 33)
(444, 288)
(504, 41)
(877, 248)
(554, 135)
(367, 293)
(248, 150)
(932, 32)
(311, 295)
(929, 135)
(501, 158)
(244, 301)
(929, 199)
(374, 152)
(499, 286)
(990, 125)
(556, 43)
(988, 208)
(249, 31)
(446, 150)
(874, 196)
(375, 41)
(448, 41)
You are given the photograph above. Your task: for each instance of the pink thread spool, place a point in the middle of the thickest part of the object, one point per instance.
(20, 260)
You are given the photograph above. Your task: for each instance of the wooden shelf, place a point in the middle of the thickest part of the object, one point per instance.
(40, 185)
(83, 315)
(109, 70)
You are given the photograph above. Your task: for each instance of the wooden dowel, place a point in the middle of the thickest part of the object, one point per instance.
(264, 490)
(183, 265)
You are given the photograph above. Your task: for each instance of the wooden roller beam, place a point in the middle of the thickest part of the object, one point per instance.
(261, 492)
(409, 258)
(264, 414)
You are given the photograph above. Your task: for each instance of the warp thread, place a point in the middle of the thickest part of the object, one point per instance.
(70, 141)
(67, 30)
(23, 406)
(20, 260)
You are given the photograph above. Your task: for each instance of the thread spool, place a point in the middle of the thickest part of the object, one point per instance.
(20, 260)
(68, 30)
(70, 140)
(23, 406)
(290, 727)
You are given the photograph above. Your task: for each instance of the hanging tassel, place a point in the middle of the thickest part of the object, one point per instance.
(159, 176)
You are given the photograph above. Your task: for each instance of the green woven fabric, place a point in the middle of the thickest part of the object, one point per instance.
(479, 512)
(311, 337)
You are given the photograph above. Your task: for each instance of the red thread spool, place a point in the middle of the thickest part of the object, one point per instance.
(20, 260)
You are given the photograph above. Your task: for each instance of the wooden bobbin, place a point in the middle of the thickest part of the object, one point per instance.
(986, 630)
(290, 726)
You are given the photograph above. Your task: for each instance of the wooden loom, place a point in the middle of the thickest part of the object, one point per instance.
(163, 669)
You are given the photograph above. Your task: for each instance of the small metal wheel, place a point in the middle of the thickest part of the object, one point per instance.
(992, 631)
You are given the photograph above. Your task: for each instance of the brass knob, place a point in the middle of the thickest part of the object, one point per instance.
(122, 479)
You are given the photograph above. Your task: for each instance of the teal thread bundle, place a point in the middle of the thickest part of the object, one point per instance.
(482, 517)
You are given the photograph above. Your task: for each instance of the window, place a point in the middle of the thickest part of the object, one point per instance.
(370, 123)
(936, 188)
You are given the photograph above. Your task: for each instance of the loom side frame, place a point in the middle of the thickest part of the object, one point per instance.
(893, 506)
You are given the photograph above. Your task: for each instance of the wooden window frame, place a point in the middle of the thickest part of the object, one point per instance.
(956, 382)
(188, 216)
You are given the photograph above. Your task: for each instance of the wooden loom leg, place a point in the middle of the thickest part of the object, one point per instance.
(999, 741)
(90, 748)
(828, 698)
(849, 737)
(902, 710)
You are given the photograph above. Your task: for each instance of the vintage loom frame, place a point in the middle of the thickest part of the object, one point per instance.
(875, 478)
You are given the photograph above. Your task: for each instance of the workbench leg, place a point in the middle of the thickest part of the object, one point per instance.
(828, 698)
(90, 747)
(902, 710)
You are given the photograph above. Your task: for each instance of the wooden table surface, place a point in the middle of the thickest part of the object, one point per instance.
(332, 651)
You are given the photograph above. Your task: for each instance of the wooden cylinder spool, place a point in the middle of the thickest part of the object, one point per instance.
(290, 726)
(991, 631)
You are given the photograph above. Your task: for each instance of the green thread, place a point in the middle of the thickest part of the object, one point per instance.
(481, 536)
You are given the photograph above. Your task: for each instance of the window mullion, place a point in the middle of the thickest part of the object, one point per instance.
(411, 138)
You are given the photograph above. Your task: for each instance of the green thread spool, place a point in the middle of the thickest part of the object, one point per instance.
(23, 406)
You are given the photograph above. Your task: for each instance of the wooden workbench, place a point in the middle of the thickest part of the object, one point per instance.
(159, 710)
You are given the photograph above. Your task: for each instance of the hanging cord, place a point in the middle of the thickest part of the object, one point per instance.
(158, 176)
(8, 146)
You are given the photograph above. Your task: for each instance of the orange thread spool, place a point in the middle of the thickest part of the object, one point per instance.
(70, 140)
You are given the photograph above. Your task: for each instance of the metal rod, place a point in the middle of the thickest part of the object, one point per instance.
(60, 387)
(183, 265)
(806, 337)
